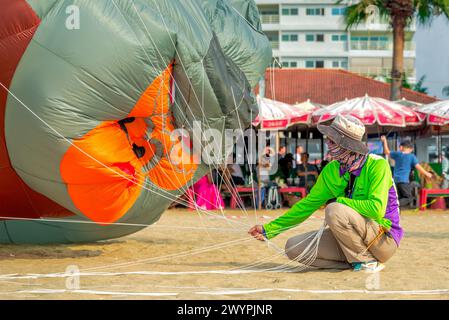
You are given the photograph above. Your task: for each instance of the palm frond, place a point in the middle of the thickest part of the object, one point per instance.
(357, 13)
(427, 10)
(446, 91)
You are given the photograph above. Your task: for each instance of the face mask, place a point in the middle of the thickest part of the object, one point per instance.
(349, 160)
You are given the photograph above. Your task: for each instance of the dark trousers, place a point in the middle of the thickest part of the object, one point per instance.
(238, 181)
(404, 194)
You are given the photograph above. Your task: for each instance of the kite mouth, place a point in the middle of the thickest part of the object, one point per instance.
(129, 170)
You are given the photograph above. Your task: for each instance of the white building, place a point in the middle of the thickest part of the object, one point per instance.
(311, 34)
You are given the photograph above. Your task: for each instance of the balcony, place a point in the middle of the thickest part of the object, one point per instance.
(383, 72)
(275, 45)
(270, 18)
(380, 45)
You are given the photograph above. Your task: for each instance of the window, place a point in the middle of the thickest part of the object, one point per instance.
(269, 12)
(315, 37)
(315, 11)
(290, 37)
(272, 37)
(314, 64)
(290, 11)
(338, 11)
(310, 64)
(289, 64)
(340, 64)
(337, 37)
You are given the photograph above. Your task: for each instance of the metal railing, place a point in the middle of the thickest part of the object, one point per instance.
(270, 18)
(382, 72)
(379, 45)
(274, 44)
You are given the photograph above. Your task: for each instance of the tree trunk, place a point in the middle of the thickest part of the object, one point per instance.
(397, 71)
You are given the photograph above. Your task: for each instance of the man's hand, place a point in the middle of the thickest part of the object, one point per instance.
(427, 174)
(257, 232)
(385, 143)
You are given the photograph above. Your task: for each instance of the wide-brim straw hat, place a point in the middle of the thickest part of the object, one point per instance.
(346, 131)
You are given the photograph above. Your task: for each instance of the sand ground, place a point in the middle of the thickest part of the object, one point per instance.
(188, 256)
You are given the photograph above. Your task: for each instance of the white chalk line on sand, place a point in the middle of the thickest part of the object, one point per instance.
(112, 274)
(232, 292)
(94, 292)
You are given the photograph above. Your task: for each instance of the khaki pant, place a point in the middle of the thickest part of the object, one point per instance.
(345, 240)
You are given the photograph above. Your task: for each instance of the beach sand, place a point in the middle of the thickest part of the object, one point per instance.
(208, 257)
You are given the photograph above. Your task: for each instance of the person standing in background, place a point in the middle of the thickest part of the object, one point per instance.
(298, 156)
(445, 169)
(405, 162)
(282, 152)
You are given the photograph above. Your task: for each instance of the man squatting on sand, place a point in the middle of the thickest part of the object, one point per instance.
(362, 209)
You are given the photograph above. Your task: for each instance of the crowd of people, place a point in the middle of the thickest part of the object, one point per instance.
(296, 170)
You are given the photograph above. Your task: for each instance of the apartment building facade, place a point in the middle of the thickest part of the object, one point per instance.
(312, 34)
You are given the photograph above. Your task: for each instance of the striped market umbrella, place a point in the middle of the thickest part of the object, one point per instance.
(409, 103)
(276, 115)
(437, 112)
(308, 108)
(372, 111)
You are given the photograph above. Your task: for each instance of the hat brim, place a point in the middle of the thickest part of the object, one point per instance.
(343, 140)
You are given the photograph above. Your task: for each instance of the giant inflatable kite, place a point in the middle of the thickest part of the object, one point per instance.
(90, 92)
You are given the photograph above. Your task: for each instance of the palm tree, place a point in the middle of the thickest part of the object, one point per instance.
(419, 86)
(400, 14)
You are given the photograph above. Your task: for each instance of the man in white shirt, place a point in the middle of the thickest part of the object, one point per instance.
(298, 154)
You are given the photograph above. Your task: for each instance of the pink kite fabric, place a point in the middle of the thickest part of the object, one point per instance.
(207, 196)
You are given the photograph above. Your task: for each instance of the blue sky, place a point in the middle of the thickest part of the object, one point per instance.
(432, 55)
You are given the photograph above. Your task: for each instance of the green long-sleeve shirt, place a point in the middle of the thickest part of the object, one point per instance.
(369, 197)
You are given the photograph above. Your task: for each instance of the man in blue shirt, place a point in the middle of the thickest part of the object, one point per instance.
(405, 162)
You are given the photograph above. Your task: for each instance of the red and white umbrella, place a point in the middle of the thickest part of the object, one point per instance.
(372, 111)
(437, 112)
(276, 115)
(308, 108)
(409, 103)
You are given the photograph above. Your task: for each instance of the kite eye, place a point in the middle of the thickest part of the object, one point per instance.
(138, 151)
